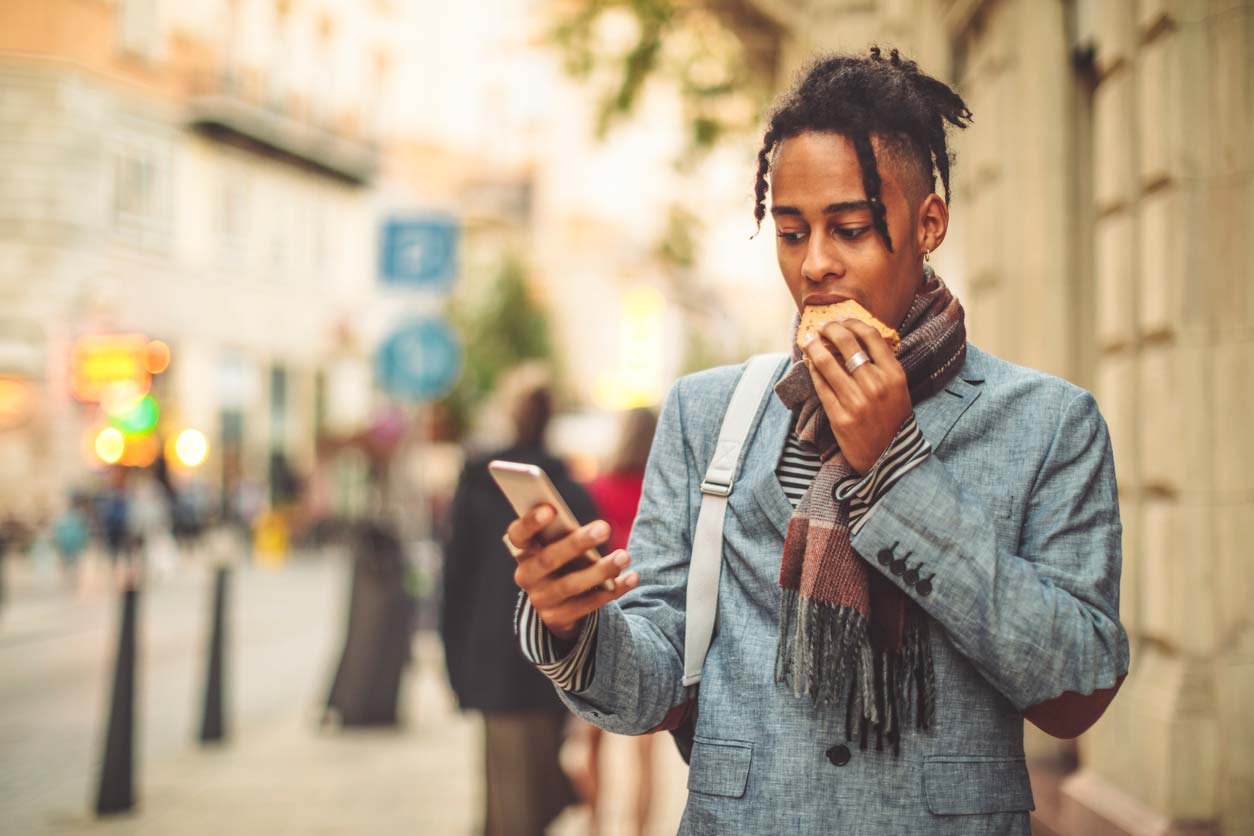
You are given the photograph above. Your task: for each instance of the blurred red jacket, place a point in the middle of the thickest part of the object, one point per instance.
(617, 497)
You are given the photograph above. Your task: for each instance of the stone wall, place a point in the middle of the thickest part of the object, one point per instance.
(1175, 378)
(1103, 218)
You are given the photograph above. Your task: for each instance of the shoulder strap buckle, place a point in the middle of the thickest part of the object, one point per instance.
(715, 488)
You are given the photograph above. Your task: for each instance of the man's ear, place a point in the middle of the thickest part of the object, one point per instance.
(932, 222)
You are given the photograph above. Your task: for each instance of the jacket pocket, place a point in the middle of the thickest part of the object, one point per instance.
(719, 767)
(973, 784)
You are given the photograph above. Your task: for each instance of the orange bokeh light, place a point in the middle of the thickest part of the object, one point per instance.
(17, 402)
(141, 450)
(156, 357)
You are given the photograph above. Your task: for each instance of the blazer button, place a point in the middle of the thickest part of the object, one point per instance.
(924, 587)
(839, 755)
(885, 557)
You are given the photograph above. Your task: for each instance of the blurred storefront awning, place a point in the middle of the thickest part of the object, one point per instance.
(220, 113)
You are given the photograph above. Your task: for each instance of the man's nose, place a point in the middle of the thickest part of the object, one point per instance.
(821, 260)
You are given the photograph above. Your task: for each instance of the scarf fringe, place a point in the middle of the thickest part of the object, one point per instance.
(825, 652)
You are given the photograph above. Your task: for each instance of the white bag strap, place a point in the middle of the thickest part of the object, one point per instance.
(720, 477)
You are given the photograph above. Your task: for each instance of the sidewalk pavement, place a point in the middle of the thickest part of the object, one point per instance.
(293, 778)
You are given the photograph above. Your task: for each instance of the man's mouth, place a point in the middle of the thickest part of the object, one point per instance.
(824, 299)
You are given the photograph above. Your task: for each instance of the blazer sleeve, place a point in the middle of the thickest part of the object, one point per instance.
(639, 640)
(1038, 623)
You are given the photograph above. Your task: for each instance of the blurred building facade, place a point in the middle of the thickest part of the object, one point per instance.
(1103, 209)
(206, 174)
(215, 174)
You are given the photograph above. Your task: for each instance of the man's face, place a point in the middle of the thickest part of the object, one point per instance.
(825, 240)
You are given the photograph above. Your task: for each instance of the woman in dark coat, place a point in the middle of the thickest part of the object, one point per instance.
(523, 718)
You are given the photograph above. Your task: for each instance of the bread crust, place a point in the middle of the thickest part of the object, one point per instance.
(815, 315)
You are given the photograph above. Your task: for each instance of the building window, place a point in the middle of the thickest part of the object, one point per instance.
(319, 405)
(282, 208)
(320, 233)
(278, 407)
(140, 199)
(139, 28)
(230, 221)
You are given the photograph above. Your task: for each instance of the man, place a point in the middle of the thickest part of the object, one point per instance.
(922, 547)
(525, 788)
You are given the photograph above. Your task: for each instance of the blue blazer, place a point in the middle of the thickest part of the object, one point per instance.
(1015, 517)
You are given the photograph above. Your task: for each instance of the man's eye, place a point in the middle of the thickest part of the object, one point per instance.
(790, 237)
(850, 234)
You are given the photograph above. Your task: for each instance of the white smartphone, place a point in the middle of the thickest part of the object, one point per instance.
(526, 486)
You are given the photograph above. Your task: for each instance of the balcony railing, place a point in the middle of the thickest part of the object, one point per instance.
(221, 106)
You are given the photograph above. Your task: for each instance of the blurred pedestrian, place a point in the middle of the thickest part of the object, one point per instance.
(14, 538)
(70, 535)
(6, 540)
(190, 512)
(43, 552)
(113, 511)
(150, 525)
(245, 503)
(525, 787)
(616, 494)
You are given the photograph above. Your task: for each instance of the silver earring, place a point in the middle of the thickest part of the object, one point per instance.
(926, 253)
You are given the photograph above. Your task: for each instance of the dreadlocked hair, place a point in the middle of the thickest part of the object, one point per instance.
(860, 97)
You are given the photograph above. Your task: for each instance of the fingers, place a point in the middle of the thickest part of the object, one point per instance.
(554, 590)
(843, 337)
(884, 374)
(825, 364)
(524, 529)
(876, 346)
(836, 412)
(536, 564)
(571, 610)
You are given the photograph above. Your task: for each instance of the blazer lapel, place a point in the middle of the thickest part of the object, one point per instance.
(767, 491)
(937, 415)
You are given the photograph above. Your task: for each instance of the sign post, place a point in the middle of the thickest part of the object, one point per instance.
(419, 361)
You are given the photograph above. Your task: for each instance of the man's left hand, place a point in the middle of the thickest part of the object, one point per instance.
(865, 408)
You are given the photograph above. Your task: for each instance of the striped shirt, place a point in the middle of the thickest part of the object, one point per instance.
(571, 665)
(797, 469)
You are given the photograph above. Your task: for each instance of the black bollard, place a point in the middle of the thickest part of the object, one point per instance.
(212, 726)
(117, 774)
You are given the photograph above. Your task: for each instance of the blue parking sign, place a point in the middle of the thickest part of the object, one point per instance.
(419, 251)
(420, 360)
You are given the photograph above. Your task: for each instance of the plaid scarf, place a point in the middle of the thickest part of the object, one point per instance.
(843, 626)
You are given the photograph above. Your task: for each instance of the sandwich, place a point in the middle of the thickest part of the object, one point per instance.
(815, 315)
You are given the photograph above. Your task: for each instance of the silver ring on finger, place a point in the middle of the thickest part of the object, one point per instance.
(514, 551)
(857, 360)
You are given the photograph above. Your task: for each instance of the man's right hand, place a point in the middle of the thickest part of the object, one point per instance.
(563, 601)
